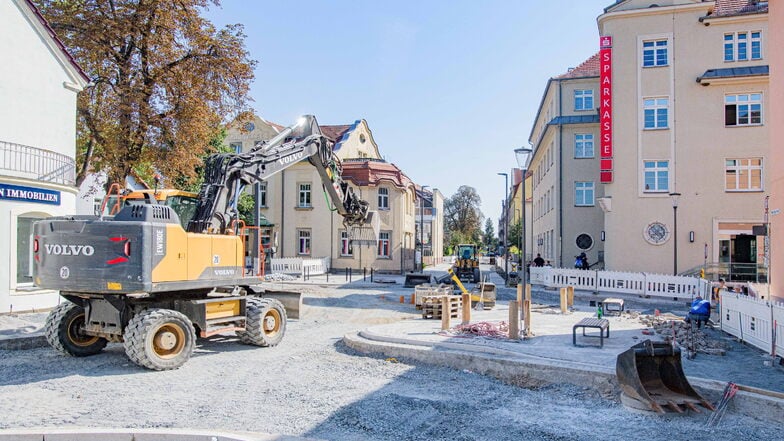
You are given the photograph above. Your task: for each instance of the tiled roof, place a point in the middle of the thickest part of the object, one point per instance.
(588, 68)
(57, 41)
(371, 173)
(733, 72)
(334, 133)
(727, 8)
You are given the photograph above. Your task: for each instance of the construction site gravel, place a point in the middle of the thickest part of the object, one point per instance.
(312, 385)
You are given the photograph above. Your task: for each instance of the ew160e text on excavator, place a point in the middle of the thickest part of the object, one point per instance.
(141, 278)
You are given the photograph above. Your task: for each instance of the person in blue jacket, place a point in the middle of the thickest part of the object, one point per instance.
(699, 311)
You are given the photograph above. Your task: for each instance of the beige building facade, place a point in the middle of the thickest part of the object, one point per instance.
(564, 168)
(690, 125)
(304, 224)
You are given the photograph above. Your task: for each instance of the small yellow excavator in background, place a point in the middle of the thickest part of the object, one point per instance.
(466, 266)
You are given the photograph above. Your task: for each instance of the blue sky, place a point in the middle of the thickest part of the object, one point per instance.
(449, 87)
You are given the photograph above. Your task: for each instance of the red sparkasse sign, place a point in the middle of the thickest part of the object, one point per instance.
(605, 108)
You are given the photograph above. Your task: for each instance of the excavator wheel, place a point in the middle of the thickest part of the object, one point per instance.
(159, 339)
(64, 331)
(265, 323)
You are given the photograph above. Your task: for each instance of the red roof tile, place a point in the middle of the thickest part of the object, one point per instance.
(727, 8)
(371, 173)
(334, 133)
(588, 68)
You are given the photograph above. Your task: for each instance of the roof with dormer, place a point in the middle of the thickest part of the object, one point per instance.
(730, 8)
(371, 173)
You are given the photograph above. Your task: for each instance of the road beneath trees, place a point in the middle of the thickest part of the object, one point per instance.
(312, 385)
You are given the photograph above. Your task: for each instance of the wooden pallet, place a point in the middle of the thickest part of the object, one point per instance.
(428, 290)
(432, 306)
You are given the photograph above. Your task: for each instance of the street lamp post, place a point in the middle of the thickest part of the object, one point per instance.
(506, 221)
(520, 239)
(422, 230)
(675, 197)
(523, 155)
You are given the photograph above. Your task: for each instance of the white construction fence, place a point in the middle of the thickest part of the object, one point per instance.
(757, 322)
(643, 284)
(299, 266)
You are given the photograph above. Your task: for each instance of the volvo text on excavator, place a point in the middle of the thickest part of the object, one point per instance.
(141, 278)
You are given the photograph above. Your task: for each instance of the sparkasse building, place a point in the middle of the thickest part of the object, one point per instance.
(685, 173)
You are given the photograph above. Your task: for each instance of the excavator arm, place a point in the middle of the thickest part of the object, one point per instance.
(226, 174)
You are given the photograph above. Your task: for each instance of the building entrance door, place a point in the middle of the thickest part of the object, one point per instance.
(744, 258)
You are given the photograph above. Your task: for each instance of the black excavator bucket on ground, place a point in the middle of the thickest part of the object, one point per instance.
(651, 378)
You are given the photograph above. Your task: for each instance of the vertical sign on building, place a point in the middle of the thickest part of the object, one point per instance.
(605, 110)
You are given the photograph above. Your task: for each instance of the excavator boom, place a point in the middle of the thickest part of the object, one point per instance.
(226, 174)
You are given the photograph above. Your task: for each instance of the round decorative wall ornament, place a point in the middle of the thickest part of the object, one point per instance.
(249, 126)
(656, 233)
(584, 241)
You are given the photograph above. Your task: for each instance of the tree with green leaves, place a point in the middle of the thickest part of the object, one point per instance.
(462, 217)
(164, 82)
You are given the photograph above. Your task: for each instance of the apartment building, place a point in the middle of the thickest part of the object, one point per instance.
(39, 84)
(564, 168)
(684, 133)
(430, 225)
(303, 224)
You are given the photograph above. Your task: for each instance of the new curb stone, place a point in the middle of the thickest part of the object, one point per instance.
(533, 371)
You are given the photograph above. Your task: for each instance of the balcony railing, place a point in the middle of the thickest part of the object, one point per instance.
(34, 163)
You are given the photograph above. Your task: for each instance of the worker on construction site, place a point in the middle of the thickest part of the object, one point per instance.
(699, 311)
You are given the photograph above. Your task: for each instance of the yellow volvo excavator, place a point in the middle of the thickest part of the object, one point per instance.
(154, 281)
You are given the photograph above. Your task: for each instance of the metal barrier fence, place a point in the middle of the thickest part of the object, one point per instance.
(653, 285)
(757, 322)
(34, 163)
(300, 266)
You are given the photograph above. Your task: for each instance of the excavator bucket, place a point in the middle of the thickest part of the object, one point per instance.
(651, 378)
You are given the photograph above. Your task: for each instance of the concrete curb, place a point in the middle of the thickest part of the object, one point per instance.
(88, 434)
(30, 341)
(532, 371)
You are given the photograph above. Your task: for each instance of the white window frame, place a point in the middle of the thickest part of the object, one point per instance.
(740, 167)
(346, 248)
(654, 167)
(741, 100)
(236, 147)
(734, 41)
(654, 48)
(584, 96)
(655, 106)
(304, 199)
(383, 198)
(384, 250)
(582, 143)
(304, 242)
(582, 189)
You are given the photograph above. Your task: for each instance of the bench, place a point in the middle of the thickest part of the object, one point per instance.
(612, 305)
(602, 325)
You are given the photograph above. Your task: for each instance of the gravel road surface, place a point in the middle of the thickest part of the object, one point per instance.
(312, 385)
